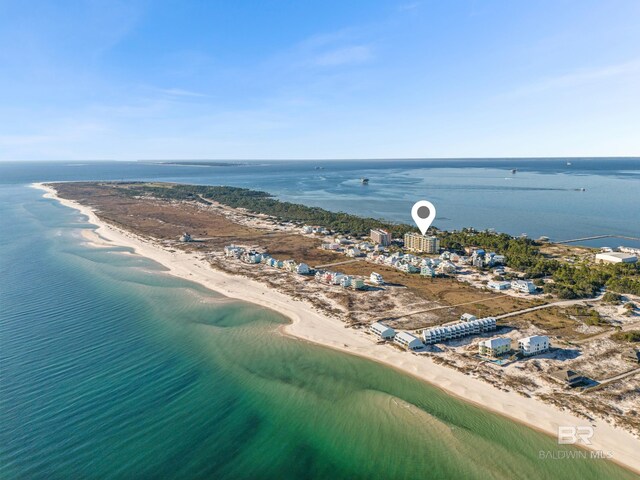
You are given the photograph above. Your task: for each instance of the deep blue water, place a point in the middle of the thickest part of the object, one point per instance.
(542, 198)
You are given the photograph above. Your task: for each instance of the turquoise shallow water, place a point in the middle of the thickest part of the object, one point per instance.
(113, 369)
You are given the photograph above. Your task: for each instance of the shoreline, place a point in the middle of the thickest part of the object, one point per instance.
(310, 325)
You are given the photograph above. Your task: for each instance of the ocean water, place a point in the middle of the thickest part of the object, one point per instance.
(110, 368)
(542, 198)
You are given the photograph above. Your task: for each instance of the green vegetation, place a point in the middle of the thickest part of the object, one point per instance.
(611, 297)
(263, 202)
(630, 336)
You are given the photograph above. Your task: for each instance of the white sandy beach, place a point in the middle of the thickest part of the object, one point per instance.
(309, 324)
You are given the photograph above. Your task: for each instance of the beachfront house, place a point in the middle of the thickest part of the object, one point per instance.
(302, 269)
(251, 257)
(523, 286)
(533, 345)
(376, 278)
(345, 281)
(233, 251)
(494, 347)
(499, 286)
(290, 265)
(408, 341)
(568, 377)
(382, 331)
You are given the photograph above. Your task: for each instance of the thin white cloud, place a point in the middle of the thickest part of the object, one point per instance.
(179, 92)
(577, 78)
(351, 55)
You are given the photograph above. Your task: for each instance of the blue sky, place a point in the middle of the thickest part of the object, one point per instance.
(327, 79)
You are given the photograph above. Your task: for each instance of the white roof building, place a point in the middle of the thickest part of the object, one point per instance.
(376, 278)
(408, 341)
(533, 345)
(383, 331)
(616, 257)
(499, 285)
(467, 317)
(524, 286)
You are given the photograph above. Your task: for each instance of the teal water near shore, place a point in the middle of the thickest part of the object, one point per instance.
(113, 369)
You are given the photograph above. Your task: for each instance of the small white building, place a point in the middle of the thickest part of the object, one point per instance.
(533, 345)
(307, 229)
(376, 278)
(499, 285)
(616, 257)
(408, 341)
(524, 286)
(345, 281)
(357, 284)
(382, 331)
(185, 237)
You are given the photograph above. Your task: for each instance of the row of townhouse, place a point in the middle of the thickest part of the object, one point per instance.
(253, 257)
(405, 339)
(523, 286)
(458, 330)
(337, 278)
(528, 346)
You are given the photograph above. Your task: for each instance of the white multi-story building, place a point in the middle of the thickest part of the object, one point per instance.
(494, 347)
(408, 341)
(382, 331)
(524, 286)
(534, 345)
(458, 330)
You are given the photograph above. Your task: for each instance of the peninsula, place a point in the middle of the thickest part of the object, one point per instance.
(344, 281)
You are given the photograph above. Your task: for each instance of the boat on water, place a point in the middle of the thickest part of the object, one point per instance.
(364, 181)
(514, 170)
(568, 164)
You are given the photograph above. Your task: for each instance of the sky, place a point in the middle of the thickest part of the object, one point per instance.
(218, 79)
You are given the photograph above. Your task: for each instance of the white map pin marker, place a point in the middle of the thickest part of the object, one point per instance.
(423, 213)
